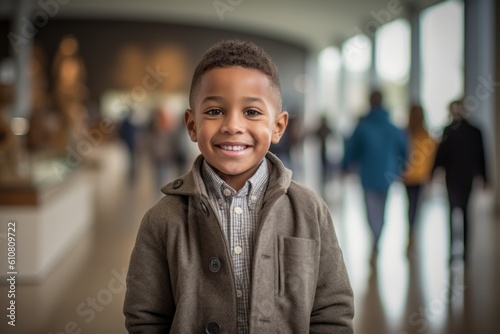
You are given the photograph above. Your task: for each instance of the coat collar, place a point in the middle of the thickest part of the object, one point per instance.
(378, 113)
(191, 184)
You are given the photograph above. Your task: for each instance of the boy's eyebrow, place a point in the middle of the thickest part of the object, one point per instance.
(253, 99)
(245, 99)
(212, 98)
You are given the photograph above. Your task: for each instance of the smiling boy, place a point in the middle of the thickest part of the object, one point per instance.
(234, 118)
(236, 246)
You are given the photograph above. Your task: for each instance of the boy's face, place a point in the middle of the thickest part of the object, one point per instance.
(234, 119)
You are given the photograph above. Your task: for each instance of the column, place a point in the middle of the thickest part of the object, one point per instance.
(21, 40)
(305, 157)
(496, 108)
(342, 91)
(374, 82)
(481, 89)
(414, 82)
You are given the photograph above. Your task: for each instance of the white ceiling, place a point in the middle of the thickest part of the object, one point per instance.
(313, 24)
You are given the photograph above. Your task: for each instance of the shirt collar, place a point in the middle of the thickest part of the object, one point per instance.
(254, 187)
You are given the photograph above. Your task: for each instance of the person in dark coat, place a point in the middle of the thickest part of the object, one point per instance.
(322, 133)
(128, 133)
(461, 155)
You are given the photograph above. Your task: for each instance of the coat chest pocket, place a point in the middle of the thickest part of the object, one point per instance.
(297, 263)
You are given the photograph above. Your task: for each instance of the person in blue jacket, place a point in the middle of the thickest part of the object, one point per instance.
(378, 150)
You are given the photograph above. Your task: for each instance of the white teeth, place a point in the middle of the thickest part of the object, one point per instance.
(233, 148)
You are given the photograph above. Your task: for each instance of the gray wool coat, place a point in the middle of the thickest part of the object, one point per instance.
(180, 278)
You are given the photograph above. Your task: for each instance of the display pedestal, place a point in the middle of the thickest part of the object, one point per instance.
(49, 220)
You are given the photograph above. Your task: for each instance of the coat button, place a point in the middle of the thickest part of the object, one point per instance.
(214, 264)
(177, 183)
(212, 328)
(204, 209)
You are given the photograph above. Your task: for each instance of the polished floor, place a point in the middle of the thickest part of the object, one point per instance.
(399, 293)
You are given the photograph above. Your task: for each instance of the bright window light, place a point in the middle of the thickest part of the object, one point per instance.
(356, 53)
(393, 51)
(442, 60)
(329, 59)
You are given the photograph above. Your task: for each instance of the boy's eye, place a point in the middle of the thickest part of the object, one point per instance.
(214, 112)
(251, 112)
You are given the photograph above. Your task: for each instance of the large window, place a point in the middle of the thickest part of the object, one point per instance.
(393, 51)
(393, 66)
(442, 60)
(356, 59)
(329, 71)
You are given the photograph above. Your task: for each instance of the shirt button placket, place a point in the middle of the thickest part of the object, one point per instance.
(238, 211)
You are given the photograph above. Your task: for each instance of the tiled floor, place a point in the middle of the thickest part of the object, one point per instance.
(400, 294)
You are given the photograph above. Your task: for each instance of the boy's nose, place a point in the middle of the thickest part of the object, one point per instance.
(233, 123)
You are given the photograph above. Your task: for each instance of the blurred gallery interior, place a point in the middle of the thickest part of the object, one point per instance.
(92, 97)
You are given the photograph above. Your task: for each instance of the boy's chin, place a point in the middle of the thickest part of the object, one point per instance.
(233, 172)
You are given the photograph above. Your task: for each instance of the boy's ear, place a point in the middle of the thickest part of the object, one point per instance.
(280, 124)
(190, 125)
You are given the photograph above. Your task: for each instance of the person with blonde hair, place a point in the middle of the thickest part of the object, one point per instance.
(422, 150)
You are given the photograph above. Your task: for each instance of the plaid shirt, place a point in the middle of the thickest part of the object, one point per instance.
(238, 212)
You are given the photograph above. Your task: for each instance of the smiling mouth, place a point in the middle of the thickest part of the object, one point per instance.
(233, 148)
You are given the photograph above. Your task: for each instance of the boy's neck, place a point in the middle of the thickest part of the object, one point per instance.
(237, 181)
(234, 182)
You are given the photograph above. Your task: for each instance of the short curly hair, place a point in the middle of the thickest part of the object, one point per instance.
(236, 53)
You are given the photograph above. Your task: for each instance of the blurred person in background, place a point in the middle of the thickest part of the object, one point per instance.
(322, 133)
(290, 142)
(128, 134)
(282, 150)
(461, 155)
(378, 149)
(418, 167)
(168, 147)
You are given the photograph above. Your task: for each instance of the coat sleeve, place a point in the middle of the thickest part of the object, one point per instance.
(149, 305)
(333, 308)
